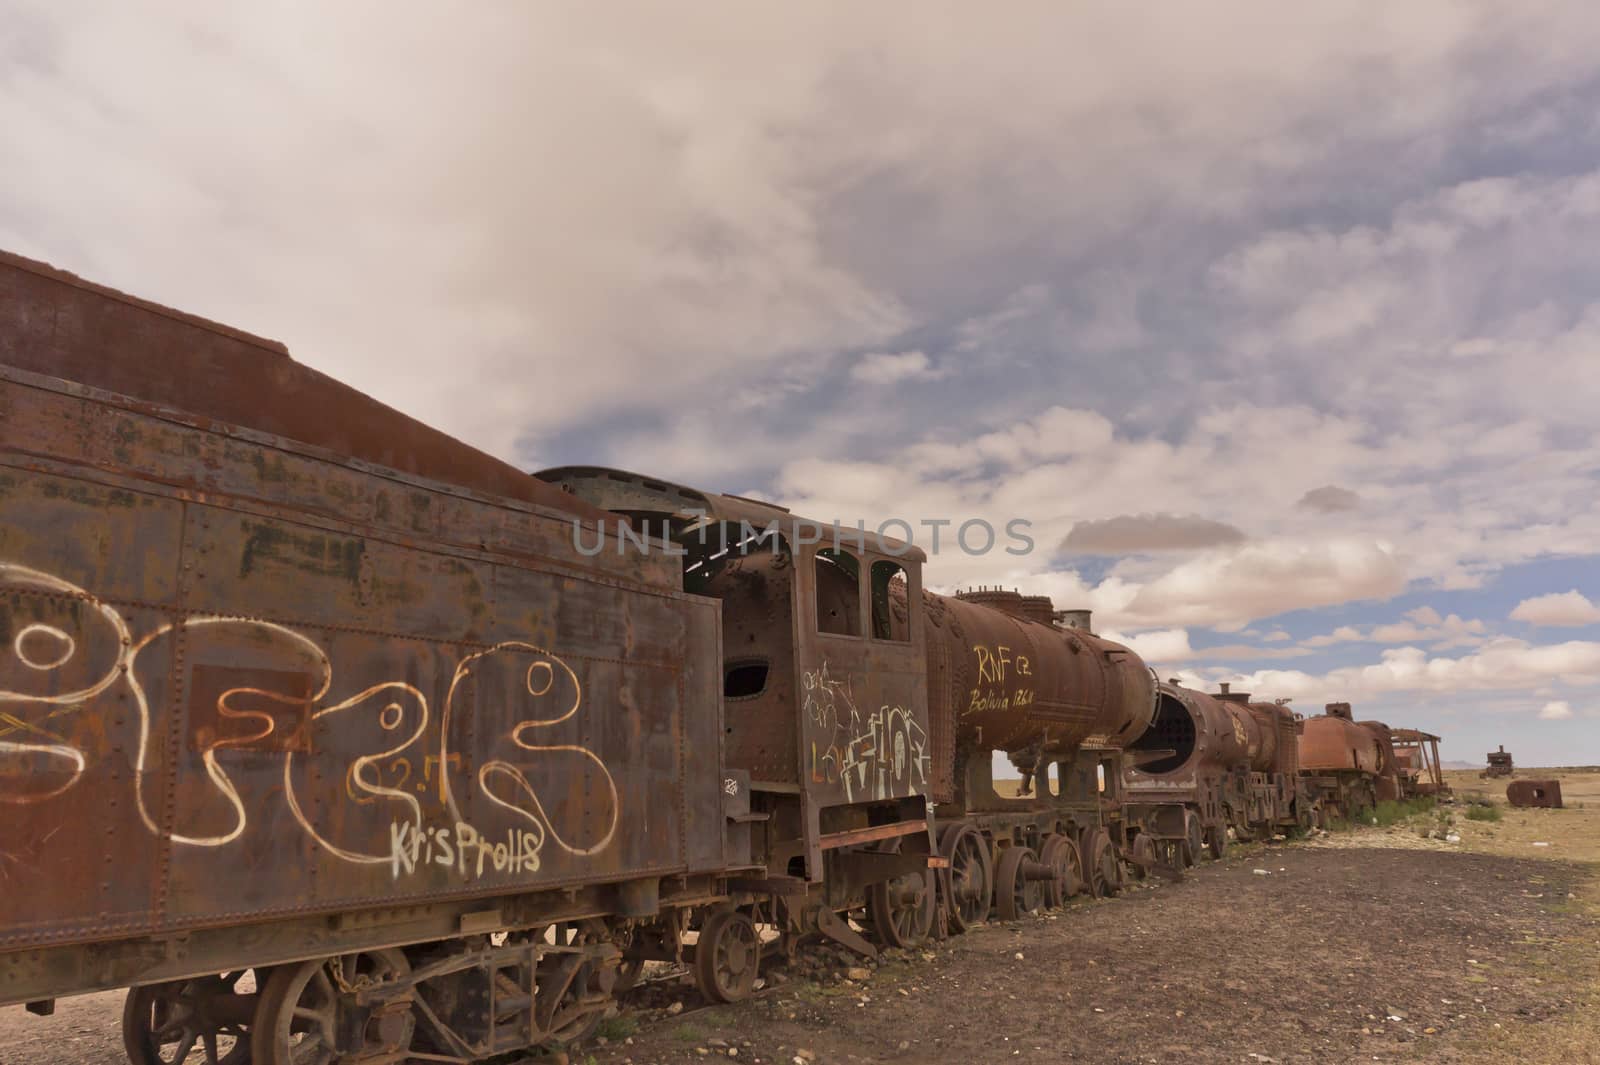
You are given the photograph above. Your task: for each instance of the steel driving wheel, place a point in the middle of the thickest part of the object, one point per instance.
(297, 1019)
(1061, 855)
(1193, 840)
(1016, 893)
(1101, 865)
(727, 956)
(1142, 856)
(202, 1020)
(902, 909)
(968, 884)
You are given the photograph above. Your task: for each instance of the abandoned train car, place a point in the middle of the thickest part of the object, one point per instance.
(336, 739)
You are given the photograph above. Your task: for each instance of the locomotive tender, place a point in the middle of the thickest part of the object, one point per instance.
(335, 739)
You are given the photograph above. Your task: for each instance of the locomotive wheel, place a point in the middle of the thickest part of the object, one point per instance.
(969, 882)
(1217, 841)
(1193, 840)
(560, 1009)
(1142, 856)
(726, 956)
(1101, 865)
(297, 1019)
(1061, 855)
(902, 909)
(1015, 893)
(205, 1019)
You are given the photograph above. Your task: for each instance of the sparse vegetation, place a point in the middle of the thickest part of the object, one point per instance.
(1391, 812)
(1482, 811)
(688, 1033)
(617, 1028)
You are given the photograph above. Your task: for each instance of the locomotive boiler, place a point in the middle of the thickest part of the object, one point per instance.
(1211, 763)
(1347, 766)
(1007, 675)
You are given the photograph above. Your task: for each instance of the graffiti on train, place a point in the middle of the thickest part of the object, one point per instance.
(370, 772)
(878, 754)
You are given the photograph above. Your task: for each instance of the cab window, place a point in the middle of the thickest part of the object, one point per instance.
(889, 586)
(838, 581)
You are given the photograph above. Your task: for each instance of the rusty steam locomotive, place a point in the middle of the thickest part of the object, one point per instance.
(337, 740)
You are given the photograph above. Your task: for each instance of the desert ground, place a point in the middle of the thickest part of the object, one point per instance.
(1391, 944)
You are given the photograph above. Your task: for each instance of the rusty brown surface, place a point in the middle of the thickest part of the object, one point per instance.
(1021, 684)
(841, 713)
(1333, 743)
(1500, 764)
(244, 678)
(1221, 732)
(1416, 753)
(1544, 794)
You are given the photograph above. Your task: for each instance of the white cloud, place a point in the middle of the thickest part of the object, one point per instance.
(1557, 609)
(1263, 579)
(883, 368)
(1558, 710)
(1156, 646)
(1502, 665)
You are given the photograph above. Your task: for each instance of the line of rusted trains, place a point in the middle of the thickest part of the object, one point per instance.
(339, 741)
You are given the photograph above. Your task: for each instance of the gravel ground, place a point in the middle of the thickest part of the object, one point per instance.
(1277, 955)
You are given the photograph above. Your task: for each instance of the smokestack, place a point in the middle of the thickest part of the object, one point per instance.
(1077, 619)
(1224, 687)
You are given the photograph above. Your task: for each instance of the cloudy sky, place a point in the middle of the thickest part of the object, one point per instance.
(1279, 323)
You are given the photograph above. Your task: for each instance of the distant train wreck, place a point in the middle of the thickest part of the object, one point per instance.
(1499, 764)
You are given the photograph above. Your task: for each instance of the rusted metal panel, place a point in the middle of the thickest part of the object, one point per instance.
(224, 702)
(1535, 793)
(863, 720)
(1029, 684)
(1333, 743)
(762, 700)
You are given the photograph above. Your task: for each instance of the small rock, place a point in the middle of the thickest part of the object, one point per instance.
(1262, 872)
(702, 1050)
(858, 974)
(905, 1044)
(805, 1055)
(674, 1009)
(1430, 1031)
(1017, 955)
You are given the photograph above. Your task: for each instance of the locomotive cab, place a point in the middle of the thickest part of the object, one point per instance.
(824, 673)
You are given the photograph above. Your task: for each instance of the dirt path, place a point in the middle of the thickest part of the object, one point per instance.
(1334, 955)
